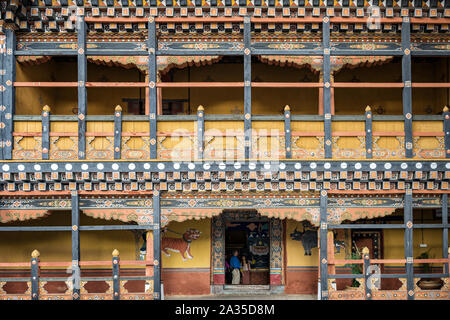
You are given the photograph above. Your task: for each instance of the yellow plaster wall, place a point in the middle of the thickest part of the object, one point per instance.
(200, 249)
(230, 100)
(63, 101)
(56, 245)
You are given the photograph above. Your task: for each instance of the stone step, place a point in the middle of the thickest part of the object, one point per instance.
(246, 289)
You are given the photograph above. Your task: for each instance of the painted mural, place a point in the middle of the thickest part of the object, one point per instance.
(181, 244)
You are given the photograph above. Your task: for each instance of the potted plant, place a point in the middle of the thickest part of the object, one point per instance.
(428, 283)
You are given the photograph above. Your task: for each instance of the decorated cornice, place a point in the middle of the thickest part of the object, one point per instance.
(53, 16)
(134, 177)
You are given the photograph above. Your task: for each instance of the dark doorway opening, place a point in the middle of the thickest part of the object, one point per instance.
(252, 241)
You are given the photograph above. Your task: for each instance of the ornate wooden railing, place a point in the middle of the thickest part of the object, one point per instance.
(72, 284)
(222, 137)
(369, 282)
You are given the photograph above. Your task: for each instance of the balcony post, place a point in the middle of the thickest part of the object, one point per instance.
(35, 275)
(323, 233)
(366, 264)
(8, 106)
(75, 245)
(326, 87)
(407, 89)
(116, 274)
(369, 134)
(446, 116)
(152, 90)
(408, 221)
(287, 132)
(200, 132)
(247, 89)
(445, 230)
(118, 132)
(45, 132)
(156, 246)
(82, 92)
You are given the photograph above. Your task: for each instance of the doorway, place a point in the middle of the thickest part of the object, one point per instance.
(252, 241)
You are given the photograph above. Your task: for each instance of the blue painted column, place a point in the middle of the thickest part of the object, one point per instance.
(323, 267)
(82, 92)
(369, 133)
(2, 90)
(9, 94)
(116, 274)
(407, 89)
(75, 200)
(445, 230)
(446, 116)
(287, 132)
(118, 132)
(247, 90)
(408, 221)
(156, 245)
(45, 132)
(326, 86)
(153, 93)
(35, 275)
(200, 132)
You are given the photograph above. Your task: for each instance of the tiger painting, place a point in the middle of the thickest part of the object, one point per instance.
(181, 245)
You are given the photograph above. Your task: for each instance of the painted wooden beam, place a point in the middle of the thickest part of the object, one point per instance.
(45, 143)
(247, 89)
(369, 133)
(152, 91)
(445, 230)
(408, 242)
(116, 274)
(446, 119)
(75, 245)
(287, 132)
(9, 94)
(35, 275)
(407, 89)
(326, 87)
(156, 245)
(200, 132)
(323, 263)
(118, 132)
(82, 92)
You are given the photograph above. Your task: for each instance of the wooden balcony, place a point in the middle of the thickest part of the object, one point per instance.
(222, 137)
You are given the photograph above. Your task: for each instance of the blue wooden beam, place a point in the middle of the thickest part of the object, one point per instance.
(45, 133)
(408, 222)
(118, 132)
(369, 133)
(153, 95)
(247, 90)
(287, 132)
(156, 245)
(326, 86)
(82, 92)
(9, 94)
(75, 245)
(323, 263)
(407, 89)
(200, 131)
